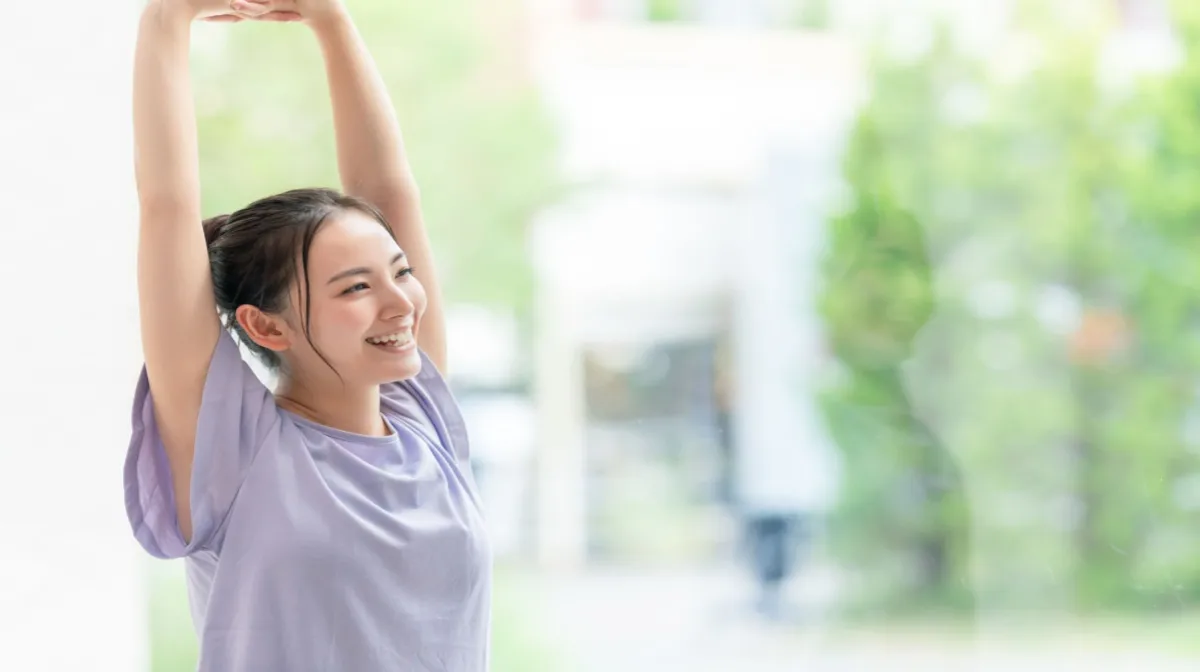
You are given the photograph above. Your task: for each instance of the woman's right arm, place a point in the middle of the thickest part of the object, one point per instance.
(179, 322)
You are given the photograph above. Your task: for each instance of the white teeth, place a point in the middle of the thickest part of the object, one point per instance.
(401, 338)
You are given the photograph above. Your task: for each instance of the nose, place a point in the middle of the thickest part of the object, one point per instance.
(398, 303)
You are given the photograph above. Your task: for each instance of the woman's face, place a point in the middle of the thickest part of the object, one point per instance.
(365, 310)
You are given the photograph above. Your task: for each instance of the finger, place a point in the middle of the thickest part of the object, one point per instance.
(249, 8)
(223, 18)
(267, 6)
(280, 16)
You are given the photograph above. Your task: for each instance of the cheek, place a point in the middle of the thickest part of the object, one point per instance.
(338, 324)
(417, 296)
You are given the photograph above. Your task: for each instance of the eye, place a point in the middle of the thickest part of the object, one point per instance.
(355, 288)
(404, 271)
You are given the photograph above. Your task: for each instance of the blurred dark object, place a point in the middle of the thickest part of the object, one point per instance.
(776, 541)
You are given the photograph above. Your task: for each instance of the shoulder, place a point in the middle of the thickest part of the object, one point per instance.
(236, 418)
(428, 400)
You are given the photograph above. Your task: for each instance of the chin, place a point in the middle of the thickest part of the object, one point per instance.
(405, 366)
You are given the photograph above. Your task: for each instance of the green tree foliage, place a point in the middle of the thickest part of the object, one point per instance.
(1155, 447)
(902, 521)
(1034, 194)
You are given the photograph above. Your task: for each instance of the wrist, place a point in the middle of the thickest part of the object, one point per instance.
(332, 21)
(169, 13)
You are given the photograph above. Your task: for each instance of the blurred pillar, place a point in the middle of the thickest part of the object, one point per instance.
(786, 462)
(71, 595)
(561, 525)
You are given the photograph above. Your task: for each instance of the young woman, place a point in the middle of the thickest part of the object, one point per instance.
(331, 524)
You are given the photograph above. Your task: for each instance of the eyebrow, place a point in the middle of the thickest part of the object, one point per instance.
(361, 270)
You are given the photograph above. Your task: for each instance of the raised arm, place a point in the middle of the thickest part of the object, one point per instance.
(370, 153)
(179, 323)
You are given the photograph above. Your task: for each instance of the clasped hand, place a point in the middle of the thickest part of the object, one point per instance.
(232, 11)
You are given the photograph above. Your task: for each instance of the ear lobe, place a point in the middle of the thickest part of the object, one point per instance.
(269, 331)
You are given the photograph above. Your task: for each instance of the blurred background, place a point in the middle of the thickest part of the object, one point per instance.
(818, 335)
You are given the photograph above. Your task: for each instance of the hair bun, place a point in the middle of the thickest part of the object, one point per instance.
(214, 227)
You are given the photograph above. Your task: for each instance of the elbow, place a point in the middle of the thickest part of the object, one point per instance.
(166, 205)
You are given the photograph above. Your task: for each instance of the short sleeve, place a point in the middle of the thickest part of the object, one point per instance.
(237, 414)
(426, 400)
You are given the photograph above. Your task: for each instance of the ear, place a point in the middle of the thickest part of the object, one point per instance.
(269, 331)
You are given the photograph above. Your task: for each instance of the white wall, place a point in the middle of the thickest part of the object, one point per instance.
(70, 582)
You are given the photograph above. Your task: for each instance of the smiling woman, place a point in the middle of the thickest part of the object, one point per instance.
(332, 523)
(315, 257)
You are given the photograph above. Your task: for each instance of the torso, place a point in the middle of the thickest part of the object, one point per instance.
(349, 552)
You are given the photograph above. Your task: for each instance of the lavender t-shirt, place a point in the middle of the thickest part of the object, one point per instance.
(314, 548)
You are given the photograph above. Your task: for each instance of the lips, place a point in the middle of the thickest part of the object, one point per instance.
(394, 341)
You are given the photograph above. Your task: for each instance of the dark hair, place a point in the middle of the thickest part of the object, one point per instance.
(252, 254)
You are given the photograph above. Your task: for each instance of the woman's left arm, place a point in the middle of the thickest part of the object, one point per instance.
(371, 157)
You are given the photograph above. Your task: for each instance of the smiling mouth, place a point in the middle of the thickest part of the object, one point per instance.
(401, 340)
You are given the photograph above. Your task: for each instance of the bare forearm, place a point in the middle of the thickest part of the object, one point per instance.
(370, 149)
(164, 125)
(372, 163)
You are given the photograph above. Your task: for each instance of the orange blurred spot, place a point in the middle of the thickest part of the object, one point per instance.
(1101, 335)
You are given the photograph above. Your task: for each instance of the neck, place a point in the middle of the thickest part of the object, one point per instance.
(354, 410)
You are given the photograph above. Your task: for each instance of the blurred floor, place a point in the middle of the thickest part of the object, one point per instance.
(702, 621)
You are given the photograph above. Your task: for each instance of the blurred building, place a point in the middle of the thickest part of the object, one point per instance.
(701, 139)
(702, 152)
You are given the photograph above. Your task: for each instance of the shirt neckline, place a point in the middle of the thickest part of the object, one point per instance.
(343, 435)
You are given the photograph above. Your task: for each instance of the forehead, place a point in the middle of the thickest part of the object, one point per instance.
(347, 239)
